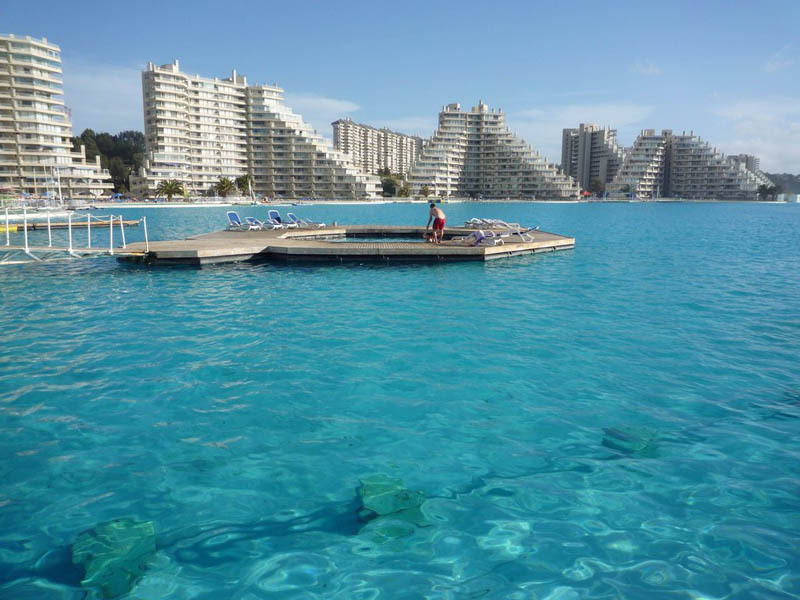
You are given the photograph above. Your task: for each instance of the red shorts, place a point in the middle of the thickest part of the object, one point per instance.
(438, 223)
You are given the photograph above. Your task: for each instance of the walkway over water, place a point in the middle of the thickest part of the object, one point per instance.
(320, 244)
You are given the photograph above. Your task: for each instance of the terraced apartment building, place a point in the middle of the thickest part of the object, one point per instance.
(199, 129)
(474, 154)
(373, 149)
(36, 155)
(685, 166)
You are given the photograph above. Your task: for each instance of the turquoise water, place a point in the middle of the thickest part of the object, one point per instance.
(621, 420)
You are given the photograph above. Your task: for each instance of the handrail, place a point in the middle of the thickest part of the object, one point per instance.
(89, 230)
(49, 232)
(111, 235)
(8, 232)
(146, 241)
(25, 221)
(122, 231)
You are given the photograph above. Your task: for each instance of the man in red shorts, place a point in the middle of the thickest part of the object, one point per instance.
(437, 215)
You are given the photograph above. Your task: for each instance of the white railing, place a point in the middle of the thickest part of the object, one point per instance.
(71, 248)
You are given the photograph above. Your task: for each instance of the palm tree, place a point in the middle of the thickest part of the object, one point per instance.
(243, 183)
(425, 191)
(225, 186)
(170, 188)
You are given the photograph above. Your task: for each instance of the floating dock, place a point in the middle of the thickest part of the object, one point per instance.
(340, 244)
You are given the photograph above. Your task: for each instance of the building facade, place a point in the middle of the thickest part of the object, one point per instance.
(36, 156)
(642, 172)
(373, 149)
(198, 130)
(474, 154)
(684, 166)
(590, 153)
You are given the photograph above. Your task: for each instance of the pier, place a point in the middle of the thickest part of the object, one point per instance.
(339, 244)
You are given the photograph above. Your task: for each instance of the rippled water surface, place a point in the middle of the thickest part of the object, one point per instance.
(621, 420)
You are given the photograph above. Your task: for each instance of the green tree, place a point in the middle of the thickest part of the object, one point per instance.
(763, 191)
(626, 189)
(119, 171)
(225, 186)
(597, 187)
(404, 191)
(170, 188)
(87, 138)
(243, 183)
(390, 185)
(425, 191)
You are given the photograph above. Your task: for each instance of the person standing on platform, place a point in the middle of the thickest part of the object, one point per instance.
(437, 215)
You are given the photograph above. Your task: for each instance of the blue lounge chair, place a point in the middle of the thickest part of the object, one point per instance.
(254, 224)
(234, 222)
(303, 222)
(275, 220)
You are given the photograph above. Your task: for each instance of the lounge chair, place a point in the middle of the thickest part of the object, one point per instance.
(476, 223)
(303, 222)
(254, 224)
(500, 224)
(275, 218)
(480, 238)
(234, 222)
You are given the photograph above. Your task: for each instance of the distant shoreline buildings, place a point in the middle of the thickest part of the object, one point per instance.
(474, 154)
(373, 149)
(590, 154)
(36, 155)
(684, 166)
(199, 129)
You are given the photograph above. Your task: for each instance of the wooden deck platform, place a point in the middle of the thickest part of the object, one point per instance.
(310, 244)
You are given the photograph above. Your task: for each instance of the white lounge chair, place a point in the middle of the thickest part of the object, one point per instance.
(479, 238)
(303, 222)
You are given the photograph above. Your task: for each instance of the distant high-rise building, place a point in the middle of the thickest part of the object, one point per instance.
(474, 154)
(753, 163)
(374, 149)
(198, 130)
(36, 155)
(684, 166)
(590, 153)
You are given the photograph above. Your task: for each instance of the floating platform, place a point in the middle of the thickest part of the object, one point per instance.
(339, 244)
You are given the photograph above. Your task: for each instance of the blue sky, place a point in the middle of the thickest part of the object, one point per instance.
(729, 71)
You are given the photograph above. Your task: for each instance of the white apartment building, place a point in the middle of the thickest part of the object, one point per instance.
(590, 153)
(36, 156)
(642, 171)
(753, 164)
(698, 171)
(474, 154)
(684, 166)
(198, 130)
(373, 149)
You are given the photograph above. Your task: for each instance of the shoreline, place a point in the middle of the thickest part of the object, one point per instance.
(107, 205)
(33, 214)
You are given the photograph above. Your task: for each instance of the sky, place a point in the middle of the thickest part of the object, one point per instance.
(727, 70)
